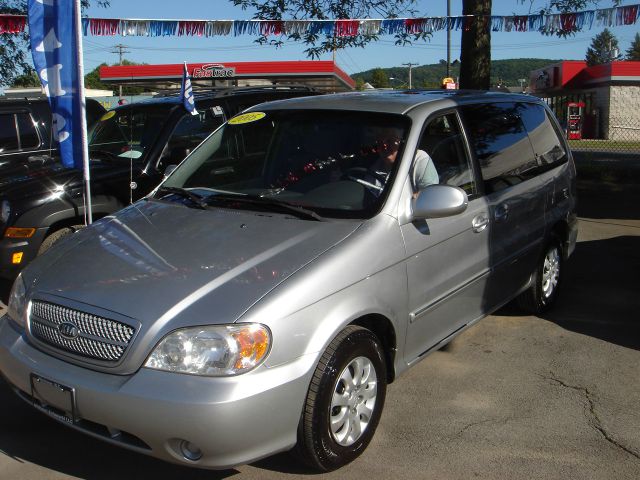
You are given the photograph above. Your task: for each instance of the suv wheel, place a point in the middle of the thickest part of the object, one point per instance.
(344, 401)
(546, 280)
(55, 236)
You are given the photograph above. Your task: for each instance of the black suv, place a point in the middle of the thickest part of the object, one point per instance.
(130, 148)
(25, 128)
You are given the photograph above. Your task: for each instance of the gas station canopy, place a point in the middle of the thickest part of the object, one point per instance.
(324, 75)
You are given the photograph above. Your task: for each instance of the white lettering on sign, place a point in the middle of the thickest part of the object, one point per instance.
(49, 43)
(58, 127)
(51, 75)
(214, 70)
(51, 3)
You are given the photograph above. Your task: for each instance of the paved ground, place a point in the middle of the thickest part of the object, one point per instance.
(512, 398)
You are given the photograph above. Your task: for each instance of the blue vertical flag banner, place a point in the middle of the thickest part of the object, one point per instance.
(55, 47)
(186, 93)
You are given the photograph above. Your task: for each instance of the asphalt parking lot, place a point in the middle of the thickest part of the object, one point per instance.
(514, 397)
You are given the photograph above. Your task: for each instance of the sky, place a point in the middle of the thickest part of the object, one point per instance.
(384, 53)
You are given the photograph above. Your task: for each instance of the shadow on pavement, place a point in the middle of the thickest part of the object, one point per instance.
(613, 199)
(600, 294)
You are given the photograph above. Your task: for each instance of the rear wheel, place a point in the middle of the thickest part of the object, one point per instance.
(545, 284)
(344, 401)
(56, 236)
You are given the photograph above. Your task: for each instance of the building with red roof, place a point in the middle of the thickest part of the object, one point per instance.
(609, 93)
(323, 75)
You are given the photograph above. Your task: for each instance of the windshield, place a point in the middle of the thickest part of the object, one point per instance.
(333, 163)
(128, 132)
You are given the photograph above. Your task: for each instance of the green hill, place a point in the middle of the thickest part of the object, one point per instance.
(508, 72)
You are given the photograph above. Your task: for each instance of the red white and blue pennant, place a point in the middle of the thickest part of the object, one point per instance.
(547, 23)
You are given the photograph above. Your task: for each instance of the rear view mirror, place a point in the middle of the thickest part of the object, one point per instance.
(436, 201)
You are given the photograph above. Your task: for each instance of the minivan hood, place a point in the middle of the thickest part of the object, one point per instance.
(186, 266)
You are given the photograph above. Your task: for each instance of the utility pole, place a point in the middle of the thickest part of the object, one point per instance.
(120, 50)
(410, 65)
(448, 38)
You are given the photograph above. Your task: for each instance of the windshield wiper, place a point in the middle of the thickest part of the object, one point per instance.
(269, 203)
(183, 192)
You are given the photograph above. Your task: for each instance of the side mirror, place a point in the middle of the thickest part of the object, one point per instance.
(436, 201)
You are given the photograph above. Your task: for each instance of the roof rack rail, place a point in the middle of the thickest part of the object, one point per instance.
(228, 91)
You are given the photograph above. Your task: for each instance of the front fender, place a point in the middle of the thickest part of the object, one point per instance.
(60, 209)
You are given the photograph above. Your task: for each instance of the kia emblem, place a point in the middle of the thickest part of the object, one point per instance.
(68, 330)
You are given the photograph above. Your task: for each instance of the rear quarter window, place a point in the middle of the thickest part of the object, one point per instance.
(547, 145)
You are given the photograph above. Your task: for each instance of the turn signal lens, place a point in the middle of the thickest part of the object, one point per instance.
(16, 232)
(16, 258)
(252, 347)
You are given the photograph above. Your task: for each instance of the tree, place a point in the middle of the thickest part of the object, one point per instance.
(475, 54)
(603, 49)
(92, 80)
(26, 80)
(379, 78)
(633, 53)
(15, 59)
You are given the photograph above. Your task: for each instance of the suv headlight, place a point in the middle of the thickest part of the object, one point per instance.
(17, 305)
(5, 211)
(216, 350)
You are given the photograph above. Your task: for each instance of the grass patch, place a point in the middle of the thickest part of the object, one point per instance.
(606, 145)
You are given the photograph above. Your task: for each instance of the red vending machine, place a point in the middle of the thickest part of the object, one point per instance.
(575, 117)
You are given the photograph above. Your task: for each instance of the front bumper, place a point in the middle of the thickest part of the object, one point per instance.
(232, 420)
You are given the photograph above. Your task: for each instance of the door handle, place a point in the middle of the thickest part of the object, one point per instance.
(501, 212)
(480, 222)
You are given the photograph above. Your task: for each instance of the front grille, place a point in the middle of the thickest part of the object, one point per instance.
(93, 336)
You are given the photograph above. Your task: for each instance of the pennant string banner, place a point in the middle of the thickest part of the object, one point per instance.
(549, 24)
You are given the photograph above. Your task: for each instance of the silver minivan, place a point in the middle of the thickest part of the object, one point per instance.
(304, 256)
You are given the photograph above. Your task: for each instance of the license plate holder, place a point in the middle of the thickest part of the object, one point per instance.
(56, 400)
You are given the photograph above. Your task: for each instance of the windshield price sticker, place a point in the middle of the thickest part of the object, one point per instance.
(107, 116)
(247, 118)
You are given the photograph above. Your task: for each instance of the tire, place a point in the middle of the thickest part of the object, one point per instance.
(353, 400)
(55, 236)
(545, 284)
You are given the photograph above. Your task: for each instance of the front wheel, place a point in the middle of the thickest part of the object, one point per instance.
(56, 236)
(545, 283)
(344, 401)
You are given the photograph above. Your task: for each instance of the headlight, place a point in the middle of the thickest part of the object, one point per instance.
(17, 305)
(217, 350)
(5, 211)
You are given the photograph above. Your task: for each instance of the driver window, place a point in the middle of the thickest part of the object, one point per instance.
(441, 157)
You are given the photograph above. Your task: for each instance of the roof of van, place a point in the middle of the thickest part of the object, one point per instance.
(393, 101)
(200, 94)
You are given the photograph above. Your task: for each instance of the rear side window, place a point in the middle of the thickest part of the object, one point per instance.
(17, 132)
(547, 146)
(8, 134)
(27, 131)
(501, 144)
